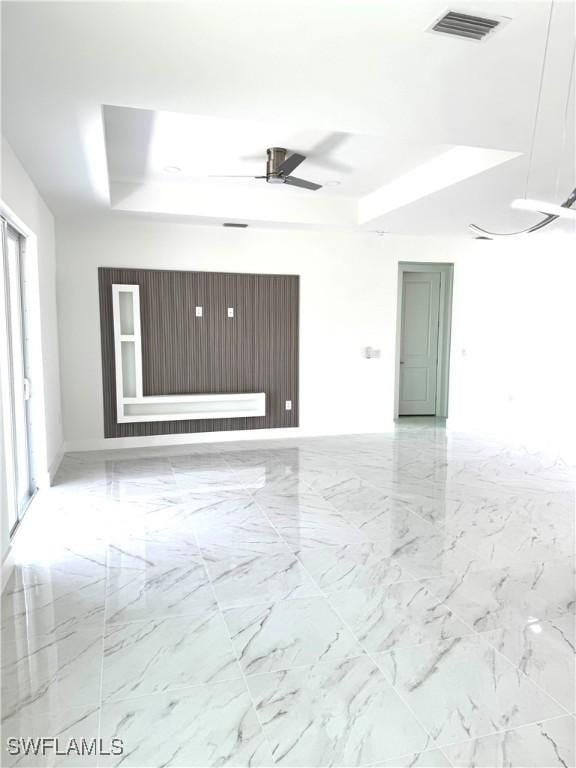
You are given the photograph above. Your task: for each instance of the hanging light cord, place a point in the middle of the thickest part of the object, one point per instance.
(571, 199)
(539, 99)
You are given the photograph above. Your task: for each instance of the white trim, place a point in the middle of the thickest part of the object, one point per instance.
(6, 418)
(186, 407)
(446, 271)
(119, 338)
(138, 408)
(39, 433)
(54, 467)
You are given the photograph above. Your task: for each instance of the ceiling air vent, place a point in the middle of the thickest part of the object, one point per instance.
(464, 25)
(234, 224)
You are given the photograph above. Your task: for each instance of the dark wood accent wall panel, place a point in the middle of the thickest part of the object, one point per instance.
(256, 351)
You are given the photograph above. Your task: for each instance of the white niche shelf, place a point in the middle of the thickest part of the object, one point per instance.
(133, 406)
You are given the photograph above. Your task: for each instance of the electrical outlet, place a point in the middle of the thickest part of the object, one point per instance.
(198, 311)
(230, 311)
(288, 405)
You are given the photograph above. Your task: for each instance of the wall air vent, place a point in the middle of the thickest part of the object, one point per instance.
(234, 224)
(463, 25)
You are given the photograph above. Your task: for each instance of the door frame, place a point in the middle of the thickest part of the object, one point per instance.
(31, 319)
(446, 270)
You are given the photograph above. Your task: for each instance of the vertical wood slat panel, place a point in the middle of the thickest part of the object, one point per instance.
(256, 351)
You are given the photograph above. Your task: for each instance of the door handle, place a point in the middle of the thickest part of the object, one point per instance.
(26, 389)
(401, 362)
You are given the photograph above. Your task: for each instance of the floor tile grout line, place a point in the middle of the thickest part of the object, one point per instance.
(478, 634)
(345, 624)
(104, 614)
(243, 676)
(531, 724)
(437, 528)
(379, 763)
(520, 671)
(473, 633)
(169, 691)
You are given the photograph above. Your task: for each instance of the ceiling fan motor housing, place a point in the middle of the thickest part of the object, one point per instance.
(275, 158)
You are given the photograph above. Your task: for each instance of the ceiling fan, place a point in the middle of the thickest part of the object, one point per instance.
(279, 169)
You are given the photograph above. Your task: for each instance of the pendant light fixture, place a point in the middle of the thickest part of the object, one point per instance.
(551, 211)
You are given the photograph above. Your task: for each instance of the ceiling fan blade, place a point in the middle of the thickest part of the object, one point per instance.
(232, 176)
(294, 182)
(290, 164)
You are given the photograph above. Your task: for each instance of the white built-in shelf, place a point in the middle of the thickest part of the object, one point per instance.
(183, 407)
(133, 406)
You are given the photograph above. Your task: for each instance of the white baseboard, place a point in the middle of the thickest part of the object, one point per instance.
(114, 443)
(55, 465)
(46, 479)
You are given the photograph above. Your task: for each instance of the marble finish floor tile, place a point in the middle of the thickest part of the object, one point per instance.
(234, 527)
(211, 725)
(289, 633)
(396, 615)
(424, 549)
(133, 594)
(432, 758)
(207, 511)
(146, 657)
(522, 528)
(346, 566)
(498, 597)
(433, 554)
(298, 506)
(309, 532)
(79, 555)
(462, 688)
(545, 651)
(49, 673)
(257, 473)
(550, 744)
(67, 725)
(288, 484)
(260, 579)
(372, 591)
(358, 499)
(340, 713)
(188, 507)
(142, 488)
(153, 470)
(212, 480)
(152, 549)
(35, 604)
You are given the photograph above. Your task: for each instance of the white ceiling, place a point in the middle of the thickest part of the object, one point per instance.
(359, 86)
(142, 143)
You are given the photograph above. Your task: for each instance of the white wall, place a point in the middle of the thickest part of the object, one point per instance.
(512, 328)
(514, 348)
(21, 201)
(342, 310)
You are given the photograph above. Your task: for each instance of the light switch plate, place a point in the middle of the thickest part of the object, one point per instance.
(198, 311)
(230, 311)
(288, 405)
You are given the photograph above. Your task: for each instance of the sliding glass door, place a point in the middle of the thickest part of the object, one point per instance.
(15, 383)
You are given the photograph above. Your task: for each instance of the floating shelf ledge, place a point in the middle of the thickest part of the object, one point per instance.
(184, 407)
